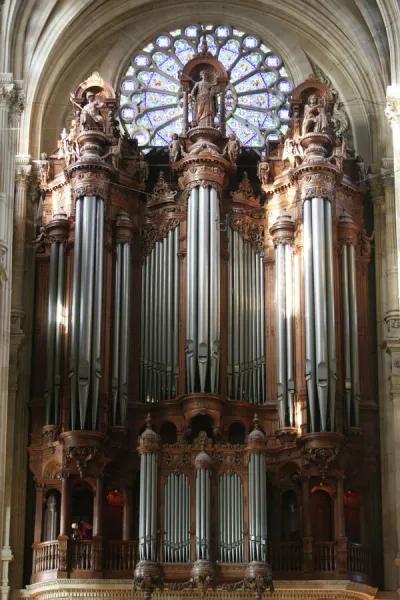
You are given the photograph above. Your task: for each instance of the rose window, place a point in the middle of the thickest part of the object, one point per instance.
(257, 97)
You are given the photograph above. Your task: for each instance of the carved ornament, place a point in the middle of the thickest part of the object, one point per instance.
(90, 183)
(81, 455)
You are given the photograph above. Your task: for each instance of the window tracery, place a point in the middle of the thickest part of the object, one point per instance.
(257, 96)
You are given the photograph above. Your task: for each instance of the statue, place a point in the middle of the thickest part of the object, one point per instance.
(232, 148)
(315, 118)
(339, 152)
(91, 117)
(263, 169)
(115, 154)
(366, 240)
(44, 169)
(203, 96)
(293, 152)
(142, 168)
(63, 144)
(362, 175)
(175, 149)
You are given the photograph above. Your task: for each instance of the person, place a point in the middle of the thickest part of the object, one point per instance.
(91, 117)
(203, 96)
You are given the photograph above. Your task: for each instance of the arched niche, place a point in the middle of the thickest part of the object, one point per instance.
(321, 515)
(200, 423)
(236, 433)
(113, 513)
(82, 504)
(51, 516)
(168, 433)
(290, 517)
(352, 516)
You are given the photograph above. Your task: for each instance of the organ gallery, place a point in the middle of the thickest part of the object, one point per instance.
(202, 397)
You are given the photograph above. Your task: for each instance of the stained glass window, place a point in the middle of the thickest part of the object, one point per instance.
(257, 96)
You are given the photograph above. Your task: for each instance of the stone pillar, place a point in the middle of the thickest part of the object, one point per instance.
(11, 106)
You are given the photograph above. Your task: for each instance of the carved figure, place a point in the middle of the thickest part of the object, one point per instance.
(315, 118)
(115, 154)
(175, 148)
(293, 152)
(40, 240)
(91, 117)
(362, 175)
(263, 169)
(232, 148)
(366, 247)
(44, 169)
(337, 155)
(142, 168)
(62, 152)
(203, 96)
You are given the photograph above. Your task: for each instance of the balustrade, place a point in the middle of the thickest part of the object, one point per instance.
(120, 555)
(324, 556)
(45, 557)
(359, 558)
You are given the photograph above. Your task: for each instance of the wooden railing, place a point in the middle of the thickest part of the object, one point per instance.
(120, 556)
(324, 556)
(81, 552)
(45, 557)
(285, 556)
(359, 558)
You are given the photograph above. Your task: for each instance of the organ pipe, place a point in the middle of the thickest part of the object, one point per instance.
(283, 233)
(246, 342)
(348, 234)
(319, 313)
(176, 519)
(57, 232)
(203, 291)
(160, 326)
(257, 494)
(87, 289)
(121, 324)
(203, 499)
(149, 445)
(230, 518)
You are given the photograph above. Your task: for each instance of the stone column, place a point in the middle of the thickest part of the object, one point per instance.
(11, 106)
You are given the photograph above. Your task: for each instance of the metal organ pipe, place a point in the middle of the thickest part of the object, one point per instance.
(160, 325)
(203, 291)
(230, 518)
(319, 312)
(57, 231)
(246, 345)
(257, 494)
(85, 356)
(203, 499)
(121, 323)
(348, 235)
(148, 447)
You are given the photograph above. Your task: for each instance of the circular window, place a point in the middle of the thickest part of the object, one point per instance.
(257, 96)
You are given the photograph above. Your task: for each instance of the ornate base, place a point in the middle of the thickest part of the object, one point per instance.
(204, 133)
(148, 577)
(320, 450)
(203, 575)
(287, 435)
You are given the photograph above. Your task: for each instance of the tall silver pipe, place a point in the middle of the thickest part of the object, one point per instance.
(263, 507)
(289, 332)
(214, 291)
(236, 315)
(207, 476)
(321, 341)
(142, 508)
(262, 329)
(58, 334)
(330, 312)
(309, 311)
(242, 316)
(76, 295)
(116, 333)
(198, 508)
(251, 506)
(191, 289)
(258, 328)
(86, 308)
(254, 311)
(346, 332)
(230, 308)
(125, 325)
(281, 332)
(143, 325)
(217, 347)
(204, 285)
(51, 330)
(176, 313)
(169, 339)
(355, 371)
(152, 269)
(97, 311)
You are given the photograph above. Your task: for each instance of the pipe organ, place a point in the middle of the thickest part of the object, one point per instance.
(200, 294)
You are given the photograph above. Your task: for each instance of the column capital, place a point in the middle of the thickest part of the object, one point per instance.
(12, 97)
(392, 110)
(23, 171)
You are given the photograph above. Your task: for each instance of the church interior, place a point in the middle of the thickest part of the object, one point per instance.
(199, 300)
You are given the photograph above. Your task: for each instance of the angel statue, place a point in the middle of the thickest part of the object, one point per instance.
(91, 117)
(204, 101)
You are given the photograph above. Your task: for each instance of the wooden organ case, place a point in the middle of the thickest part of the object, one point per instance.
(202, 405)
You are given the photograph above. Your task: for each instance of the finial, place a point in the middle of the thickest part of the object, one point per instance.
(149, 424)
(256, 422)
(204, 44)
